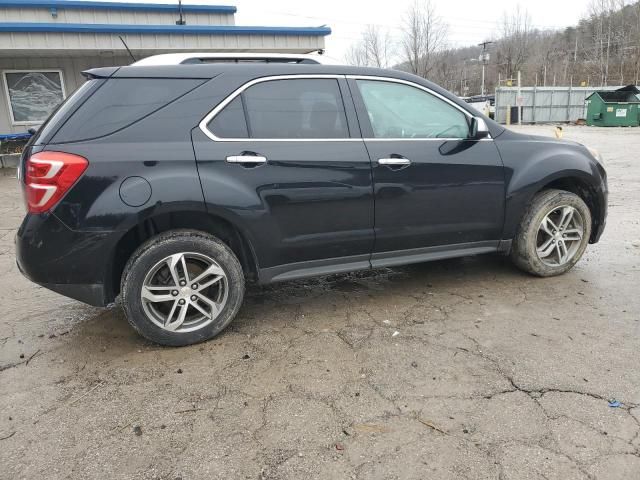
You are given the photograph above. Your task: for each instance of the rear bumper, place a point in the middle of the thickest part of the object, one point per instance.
(91, 294)
(74, 264)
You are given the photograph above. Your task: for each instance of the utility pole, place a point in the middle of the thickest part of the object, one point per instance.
(484, 58)
(181, 20)
(519, 99)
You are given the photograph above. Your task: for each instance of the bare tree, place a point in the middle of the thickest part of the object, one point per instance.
(424, 35)
(378, 46)
(601, 16)
(620, 35)
(549, 58)
(603, 48)
(445, 72)
(636, 40)
(356, 55)
(514, 48)
(374, 49)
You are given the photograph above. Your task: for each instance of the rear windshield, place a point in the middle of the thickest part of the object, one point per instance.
(119, 103)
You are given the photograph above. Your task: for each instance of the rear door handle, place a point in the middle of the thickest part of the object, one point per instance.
(394, 161)
(253, 159)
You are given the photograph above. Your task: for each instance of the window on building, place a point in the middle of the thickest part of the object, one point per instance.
(33, 95)
(397, 110)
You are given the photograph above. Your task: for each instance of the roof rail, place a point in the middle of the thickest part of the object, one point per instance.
(227, 57)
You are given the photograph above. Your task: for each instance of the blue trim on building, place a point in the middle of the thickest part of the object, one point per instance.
(14, 136)
(166, 29)
(84, 5)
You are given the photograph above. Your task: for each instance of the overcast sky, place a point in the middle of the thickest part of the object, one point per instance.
(470, 21)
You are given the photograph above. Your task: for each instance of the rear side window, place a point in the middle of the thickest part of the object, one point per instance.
(119, 103)
(305, 108)
(230, 122)
(284, 109)
(65, 109)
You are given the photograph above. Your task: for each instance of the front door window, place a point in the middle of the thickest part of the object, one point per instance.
(397, 110)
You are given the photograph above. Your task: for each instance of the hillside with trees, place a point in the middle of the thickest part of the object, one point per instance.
(603, 49)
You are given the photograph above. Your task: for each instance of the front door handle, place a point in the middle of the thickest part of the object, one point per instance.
(394, 162)
(252, 159)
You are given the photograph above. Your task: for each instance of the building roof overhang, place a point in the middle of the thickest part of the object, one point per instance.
(130, 6)
(18, 27)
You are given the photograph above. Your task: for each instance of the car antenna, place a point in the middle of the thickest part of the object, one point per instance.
(127, 47)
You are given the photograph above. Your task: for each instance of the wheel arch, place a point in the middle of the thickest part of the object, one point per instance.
(582, 189)
(520, 195)
(153, 225)
(535, 163)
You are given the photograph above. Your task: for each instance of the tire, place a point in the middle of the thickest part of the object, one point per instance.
(151, 273)
(531, 242)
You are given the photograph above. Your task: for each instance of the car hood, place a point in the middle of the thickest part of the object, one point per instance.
(511, 135)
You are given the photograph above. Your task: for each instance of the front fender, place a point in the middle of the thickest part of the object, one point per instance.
(532, 164)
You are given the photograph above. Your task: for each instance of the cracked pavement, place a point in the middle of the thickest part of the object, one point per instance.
(493, 374)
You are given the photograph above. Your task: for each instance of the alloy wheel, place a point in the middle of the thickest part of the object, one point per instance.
(184, 292)
(559, 236)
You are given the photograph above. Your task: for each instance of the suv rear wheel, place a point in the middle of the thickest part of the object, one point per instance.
(553, 234)
(182, 287)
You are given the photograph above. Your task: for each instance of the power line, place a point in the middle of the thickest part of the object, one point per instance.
(479, 23)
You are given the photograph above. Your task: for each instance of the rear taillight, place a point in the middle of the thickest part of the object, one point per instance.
(48, 176)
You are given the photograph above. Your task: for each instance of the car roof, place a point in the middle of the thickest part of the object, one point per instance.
(248, 71)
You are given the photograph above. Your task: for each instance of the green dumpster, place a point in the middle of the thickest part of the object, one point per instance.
(617, 108)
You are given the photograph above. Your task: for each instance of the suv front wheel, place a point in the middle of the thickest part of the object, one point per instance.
(182, 287)
(553, 233)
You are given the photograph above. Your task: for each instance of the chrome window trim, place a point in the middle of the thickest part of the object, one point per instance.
(210, 116)
(452, 139)
(430, 139)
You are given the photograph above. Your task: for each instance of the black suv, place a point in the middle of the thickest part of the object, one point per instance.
(171, 186)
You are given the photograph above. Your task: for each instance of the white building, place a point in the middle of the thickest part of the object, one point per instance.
(46, 44)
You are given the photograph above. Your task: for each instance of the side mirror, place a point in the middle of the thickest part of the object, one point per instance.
(479, 129)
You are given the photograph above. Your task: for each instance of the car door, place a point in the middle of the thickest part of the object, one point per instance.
(284, 158)
(434, 188)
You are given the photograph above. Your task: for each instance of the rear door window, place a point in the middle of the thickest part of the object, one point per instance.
(285, 109)
(119, 103)
(297, 108)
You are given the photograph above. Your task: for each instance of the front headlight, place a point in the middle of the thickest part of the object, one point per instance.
(596, 154)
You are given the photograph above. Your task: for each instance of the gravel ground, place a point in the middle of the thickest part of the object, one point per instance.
(492, 374)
